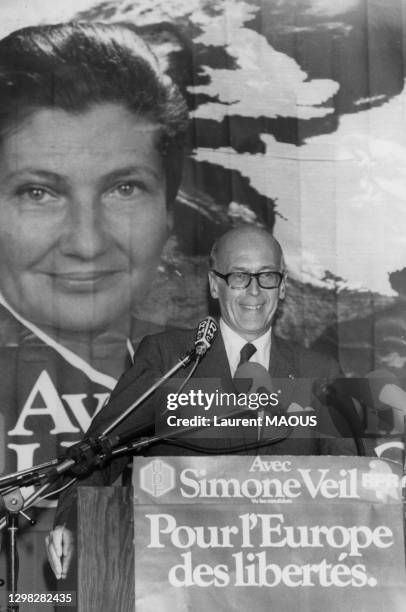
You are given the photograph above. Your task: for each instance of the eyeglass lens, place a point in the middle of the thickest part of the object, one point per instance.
(241, 280)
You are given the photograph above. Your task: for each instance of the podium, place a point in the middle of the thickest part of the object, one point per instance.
(244, 531)
(105, 540)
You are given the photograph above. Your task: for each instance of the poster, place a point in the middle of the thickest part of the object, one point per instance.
(297, 112)
(232, 532)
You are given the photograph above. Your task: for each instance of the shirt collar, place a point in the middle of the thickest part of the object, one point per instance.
(233, 343)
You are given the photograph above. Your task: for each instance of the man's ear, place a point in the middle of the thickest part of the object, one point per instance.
(213, 285)
(282, 287)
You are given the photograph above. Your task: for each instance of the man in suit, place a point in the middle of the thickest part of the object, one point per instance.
(247, 277)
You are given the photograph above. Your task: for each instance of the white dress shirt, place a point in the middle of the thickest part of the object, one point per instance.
(234, 343)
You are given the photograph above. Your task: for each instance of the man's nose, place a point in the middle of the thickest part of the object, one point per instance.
(84, 235)
(253, 288)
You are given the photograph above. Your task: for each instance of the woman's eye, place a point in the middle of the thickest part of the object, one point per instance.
(36, 194)
(126, 190)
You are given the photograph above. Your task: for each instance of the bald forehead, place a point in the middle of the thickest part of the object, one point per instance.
(247, 248)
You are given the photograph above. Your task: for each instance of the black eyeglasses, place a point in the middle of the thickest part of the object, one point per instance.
(242, 280)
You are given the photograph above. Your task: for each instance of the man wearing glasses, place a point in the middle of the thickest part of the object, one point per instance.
(247, 277)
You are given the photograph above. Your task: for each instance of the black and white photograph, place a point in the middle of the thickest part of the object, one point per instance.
(202, 305)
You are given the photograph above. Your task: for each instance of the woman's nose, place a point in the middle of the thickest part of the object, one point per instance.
(84, 236)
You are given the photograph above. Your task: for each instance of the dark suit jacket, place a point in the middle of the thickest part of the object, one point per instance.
(295, 371)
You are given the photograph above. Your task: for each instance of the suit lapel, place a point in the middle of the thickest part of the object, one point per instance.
(283, 370)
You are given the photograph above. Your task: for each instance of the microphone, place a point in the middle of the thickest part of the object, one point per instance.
(251, 377)
(344, 416)
(205, 335)
(385, 391)
(378, 392)
(378, 389)
(385, 388)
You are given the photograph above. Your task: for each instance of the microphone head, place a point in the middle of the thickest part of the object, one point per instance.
(252, 378)
(385, 375)
(205, 335)
(389, 395)
(367, 402)
(380, 382)
(366, 389)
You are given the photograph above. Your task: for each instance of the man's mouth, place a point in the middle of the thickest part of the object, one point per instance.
(251, 306)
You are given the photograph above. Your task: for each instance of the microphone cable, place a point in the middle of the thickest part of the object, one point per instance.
(229, 450)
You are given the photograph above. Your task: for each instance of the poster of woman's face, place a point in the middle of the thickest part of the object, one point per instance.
(132, 139)
(82, 216)
(85, 181)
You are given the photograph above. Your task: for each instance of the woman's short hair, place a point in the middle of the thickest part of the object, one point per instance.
(73, 66)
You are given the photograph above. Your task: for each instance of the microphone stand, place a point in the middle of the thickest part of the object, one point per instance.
(182, 363)
(97, 449)
(12, 500)
(88, 452)
(13, 503)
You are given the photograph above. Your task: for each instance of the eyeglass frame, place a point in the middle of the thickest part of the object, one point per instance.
(251, 275)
